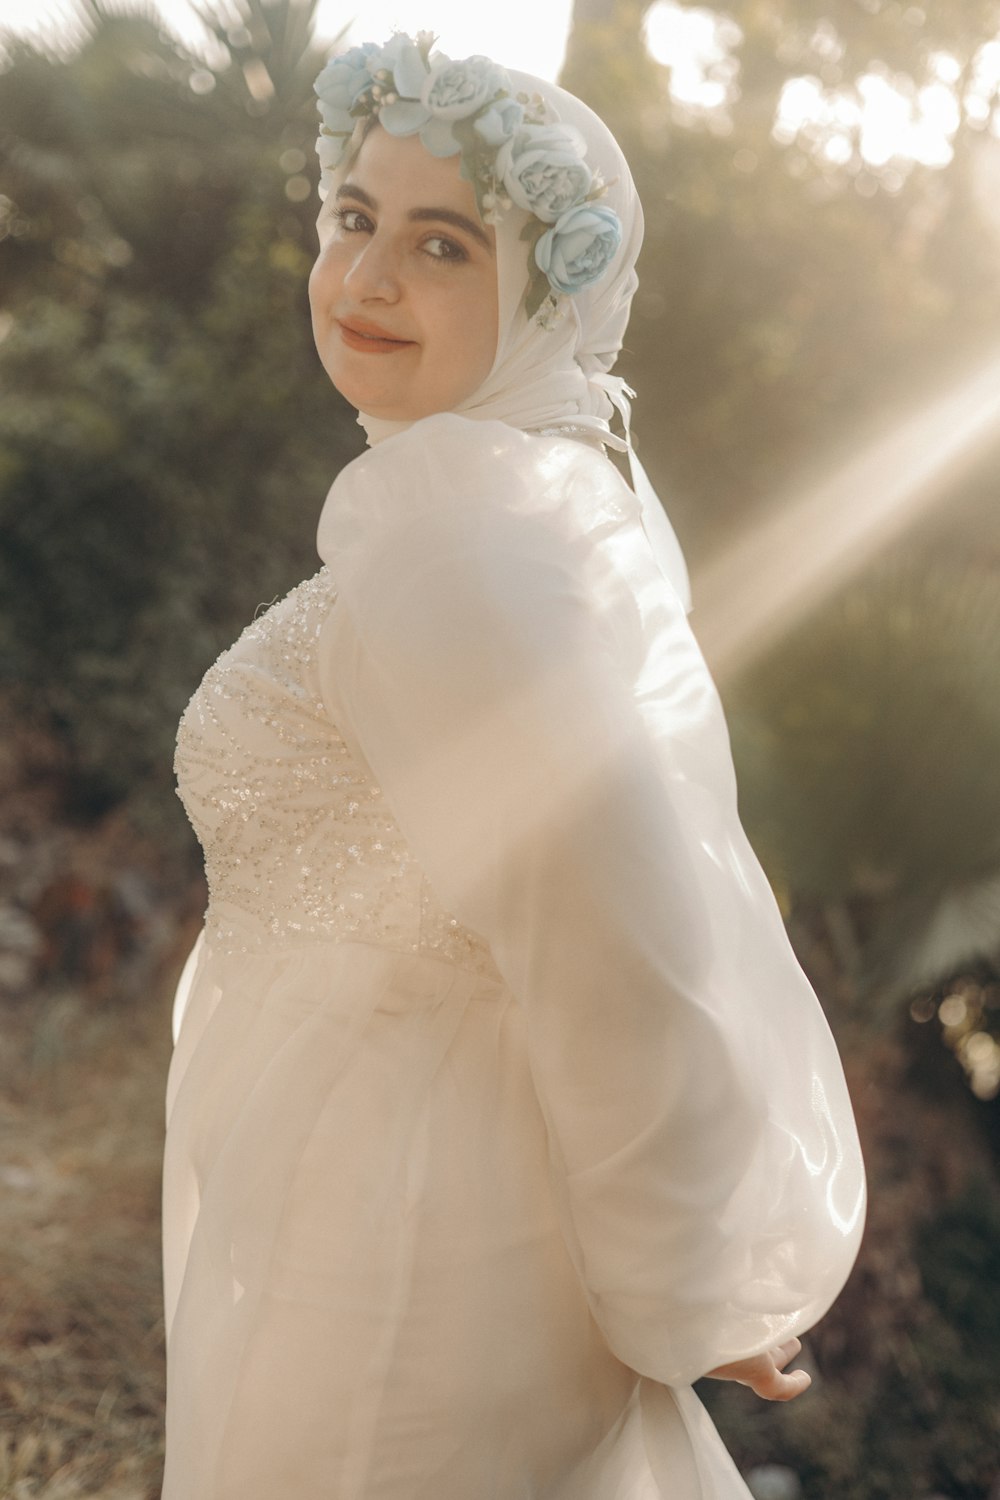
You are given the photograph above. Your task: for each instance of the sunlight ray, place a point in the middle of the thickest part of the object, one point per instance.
(755, 590)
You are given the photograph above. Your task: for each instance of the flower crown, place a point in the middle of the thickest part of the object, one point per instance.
(513, 147)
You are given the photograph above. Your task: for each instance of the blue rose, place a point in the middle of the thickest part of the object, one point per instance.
(340, 85)
(437, 138)
(579, 247)
(501, 122)
(400, 72)
(449, 91)
(407, 116)
(456, 90)
(543, 171)
(403, 61)
(403, 116)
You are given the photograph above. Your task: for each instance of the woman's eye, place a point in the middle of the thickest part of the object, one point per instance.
(438, 247)
(352, 220)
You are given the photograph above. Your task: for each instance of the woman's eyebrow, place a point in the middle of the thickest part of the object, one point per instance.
(449, 216)
(421, 215)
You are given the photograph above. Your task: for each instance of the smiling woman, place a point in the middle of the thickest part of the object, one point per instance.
(500, 1109)
(406, 271)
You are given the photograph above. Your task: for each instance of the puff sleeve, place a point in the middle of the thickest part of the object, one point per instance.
(525, 687)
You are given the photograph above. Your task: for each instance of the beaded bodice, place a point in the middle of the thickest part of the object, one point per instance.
(299, 843)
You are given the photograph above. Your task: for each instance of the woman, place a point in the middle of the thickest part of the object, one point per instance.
(500, 1109)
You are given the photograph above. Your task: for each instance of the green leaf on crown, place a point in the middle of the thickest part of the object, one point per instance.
(538, 290)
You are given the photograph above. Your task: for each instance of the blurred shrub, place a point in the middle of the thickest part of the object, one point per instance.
(160, 474)
(867, 745)
(167, 435)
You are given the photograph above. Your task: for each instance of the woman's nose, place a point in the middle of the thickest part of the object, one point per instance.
(374, 272)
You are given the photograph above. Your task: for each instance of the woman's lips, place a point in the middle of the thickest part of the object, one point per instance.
(370, 340)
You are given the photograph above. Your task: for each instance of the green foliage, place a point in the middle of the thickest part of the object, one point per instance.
(867, 730)
(168, 436)
(783, 298)
(866, 745)
(150, 499)
(787, 307)
(127, 164)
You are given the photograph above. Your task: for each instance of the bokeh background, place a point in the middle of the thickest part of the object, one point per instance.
(816, 343)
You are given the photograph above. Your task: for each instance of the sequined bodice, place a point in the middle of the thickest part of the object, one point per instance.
(299, 843)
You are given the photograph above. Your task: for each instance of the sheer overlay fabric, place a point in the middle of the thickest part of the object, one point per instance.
(500, 1109)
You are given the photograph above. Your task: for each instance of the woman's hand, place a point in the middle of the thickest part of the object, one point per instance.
(763, 1374)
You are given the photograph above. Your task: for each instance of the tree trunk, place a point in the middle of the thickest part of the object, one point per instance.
(592, 10)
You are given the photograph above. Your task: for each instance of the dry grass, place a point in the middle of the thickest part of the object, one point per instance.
(81, 1332)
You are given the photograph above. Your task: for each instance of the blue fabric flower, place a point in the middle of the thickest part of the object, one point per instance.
(340, 85)
(438, 139)
(403, 116)
(448, 91)
(402, 60)
(579, 247)
(501, 122)
(408, 116)
(543, 171)
(456, 90)
(399, 69)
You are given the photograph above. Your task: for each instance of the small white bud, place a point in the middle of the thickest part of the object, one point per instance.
(550, 314)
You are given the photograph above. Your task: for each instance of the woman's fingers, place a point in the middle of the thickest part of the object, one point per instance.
(779, 1387)
(763, 1373)
(782, 1353)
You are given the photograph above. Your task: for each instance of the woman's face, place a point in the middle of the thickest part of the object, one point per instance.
(404, 292)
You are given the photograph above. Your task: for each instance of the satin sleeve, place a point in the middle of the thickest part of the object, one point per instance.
(554, 750)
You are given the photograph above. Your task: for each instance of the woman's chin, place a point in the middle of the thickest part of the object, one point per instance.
(374, 404)
(388, 412)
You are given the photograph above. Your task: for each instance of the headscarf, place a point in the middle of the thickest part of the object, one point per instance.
(558, 378)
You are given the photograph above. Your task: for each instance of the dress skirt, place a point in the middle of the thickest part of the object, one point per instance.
(369, 1293)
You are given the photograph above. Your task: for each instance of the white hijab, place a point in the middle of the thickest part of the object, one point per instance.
(559, 378)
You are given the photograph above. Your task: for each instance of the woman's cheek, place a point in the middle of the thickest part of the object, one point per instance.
(327, 271)
(315, 281)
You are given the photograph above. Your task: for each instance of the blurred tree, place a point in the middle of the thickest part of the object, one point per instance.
(128, 562)
(125, 164)
(783, 293)
(168, 436)
(785, 300)
(867, 745)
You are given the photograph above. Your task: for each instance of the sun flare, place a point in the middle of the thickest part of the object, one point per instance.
(517, 34)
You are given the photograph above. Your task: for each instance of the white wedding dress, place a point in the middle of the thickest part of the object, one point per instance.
(500, 1108)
